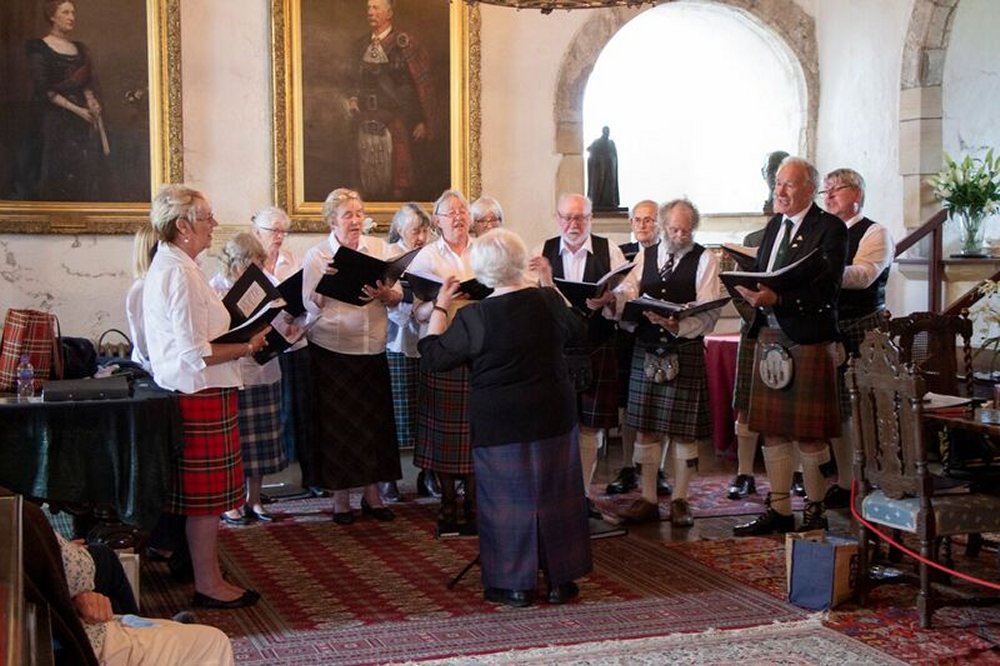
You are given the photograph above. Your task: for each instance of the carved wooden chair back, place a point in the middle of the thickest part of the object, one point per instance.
(930, 341)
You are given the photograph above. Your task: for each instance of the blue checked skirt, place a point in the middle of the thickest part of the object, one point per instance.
(355, 431)
(532, 512)
(678, 407)
(260, 429)
(598, 405)
(296, 408)
(404, 372)
(443, 437)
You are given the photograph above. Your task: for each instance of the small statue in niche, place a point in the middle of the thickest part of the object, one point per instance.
(769, 172)
(602, 172)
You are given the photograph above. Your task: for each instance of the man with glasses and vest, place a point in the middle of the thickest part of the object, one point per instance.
(577, 255)
(870, 251)
(796, 331)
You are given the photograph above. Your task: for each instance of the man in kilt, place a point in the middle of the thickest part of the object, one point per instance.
(577, 255)
(793, 396)
(668, 389)
(870, 251)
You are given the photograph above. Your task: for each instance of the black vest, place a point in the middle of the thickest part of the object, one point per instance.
(856, 303)
(679, 287)
(598, 264)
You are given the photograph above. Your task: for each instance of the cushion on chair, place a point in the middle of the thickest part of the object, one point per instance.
(953, 514)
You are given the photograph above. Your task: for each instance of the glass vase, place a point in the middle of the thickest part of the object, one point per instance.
(972, 230)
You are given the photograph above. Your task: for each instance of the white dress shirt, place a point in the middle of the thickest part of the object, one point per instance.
(437, 260)
(706, 288)
(875, 253)
(796, 223)
(343, 327)
(182, 314)
(254, 374)
(136, 328)
(404, 331)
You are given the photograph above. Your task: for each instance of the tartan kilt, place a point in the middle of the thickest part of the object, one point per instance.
(809, 407)
(208, 475)
(744, 373)
(404, 373)
(598, 405)
(678, 407)
(354, 427)
(532, 512)
(852, 334)
(443, 436)
(296, 408)
(625, 345)
(260, 429)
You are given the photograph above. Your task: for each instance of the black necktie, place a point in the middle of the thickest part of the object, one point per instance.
(667, 269)
(786, 240)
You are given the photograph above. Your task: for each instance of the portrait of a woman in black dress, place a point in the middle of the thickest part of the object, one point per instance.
(67, 144)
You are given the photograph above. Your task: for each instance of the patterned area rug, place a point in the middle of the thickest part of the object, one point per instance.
(805, 643)
(706, 497)
(375, 592)
(889, 622)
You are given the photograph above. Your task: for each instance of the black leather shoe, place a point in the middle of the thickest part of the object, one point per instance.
(389, 490)
(798, 485)
(741, 486)
(813, 518)
(623, 483)
(592, 511)
(563, 592)
(343, 517)
(837, 498)
(316, 491)
(262, 516)
(249, 598)
(379, 513)
(662, 487)
(230, 520)
(769, 522)
(427, 484)
(515, 598)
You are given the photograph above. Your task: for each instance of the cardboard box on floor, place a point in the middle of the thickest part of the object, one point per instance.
(821, 569)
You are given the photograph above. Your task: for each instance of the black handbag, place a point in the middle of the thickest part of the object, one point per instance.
(79, 358)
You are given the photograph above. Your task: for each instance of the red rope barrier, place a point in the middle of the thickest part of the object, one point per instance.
(913, 554)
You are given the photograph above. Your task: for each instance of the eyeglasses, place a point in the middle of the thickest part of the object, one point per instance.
(274, 230)
(453, 214)
(833, 190)
(644, 220)
(573, 218)
(210, 218)
(491, 220)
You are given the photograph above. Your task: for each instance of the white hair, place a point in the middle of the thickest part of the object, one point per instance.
(499, 258)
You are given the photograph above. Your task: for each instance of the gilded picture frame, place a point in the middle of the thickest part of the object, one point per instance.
(138, 121)
(318, 50)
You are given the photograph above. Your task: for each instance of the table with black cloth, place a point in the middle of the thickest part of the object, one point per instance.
(101, 453)
(720, 366)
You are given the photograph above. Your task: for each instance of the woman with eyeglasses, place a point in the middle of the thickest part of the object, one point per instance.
(443, 436)
(355, 432)
(486, 214)
(182, 315)
(411, 228)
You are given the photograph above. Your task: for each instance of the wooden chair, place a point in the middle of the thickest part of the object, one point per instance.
(929, 340)
(894, 487)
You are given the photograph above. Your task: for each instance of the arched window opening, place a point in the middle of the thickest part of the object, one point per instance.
(695, 96)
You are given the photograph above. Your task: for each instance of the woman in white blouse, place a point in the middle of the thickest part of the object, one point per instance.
(182, 315)
(354, 427)
(143, 249)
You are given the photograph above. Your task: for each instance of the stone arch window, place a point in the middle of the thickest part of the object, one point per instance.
(782, 28)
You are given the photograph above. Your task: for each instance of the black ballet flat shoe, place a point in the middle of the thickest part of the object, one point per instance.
(316, 491)
(741, 486)
(427, 484)
(229, 520)
(563, 592)
(379, 513)
(263, 516)
(343, 517)
(513, 598)
(249, 598)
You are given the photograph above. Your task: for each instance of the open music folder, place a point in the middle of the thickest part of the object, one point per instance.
(356, 269)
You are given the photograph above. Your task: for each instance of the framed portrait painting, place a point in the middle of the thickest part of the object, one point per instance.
(90, 101)
(376, 95)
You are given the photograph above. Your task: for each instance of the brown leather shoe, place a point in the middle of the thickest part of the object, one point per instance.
(640, 511)
(680, 514)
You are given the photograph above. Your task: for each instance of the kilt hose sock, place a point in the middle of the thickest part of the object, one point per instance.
(812, 476)
(746, 448)
(779, 461)
(685, 464)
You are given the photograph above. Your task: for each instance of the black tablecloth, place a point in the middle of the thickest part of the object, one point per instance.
(103, 452)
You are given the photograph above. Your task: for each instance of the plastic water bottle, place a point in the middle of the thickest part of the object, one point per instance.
(25, 378)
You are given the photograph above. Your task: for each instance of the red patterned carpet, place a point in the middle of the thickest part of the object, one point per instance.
(375, 592)
(889, 622)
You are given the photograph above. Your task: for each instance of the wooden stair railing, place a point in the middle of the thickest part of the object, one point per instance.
(935, 265)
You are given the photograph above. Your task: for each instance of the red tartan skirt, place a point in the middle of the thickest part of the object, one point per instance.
(208, 475)
(809, 407)
(444, 440)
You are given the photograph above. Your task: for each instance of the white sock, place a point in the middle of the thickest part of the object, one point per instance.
(812, 477)
(746, 448)
(647, 454)
(843, 451)
(684, 453)
(780, 464)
